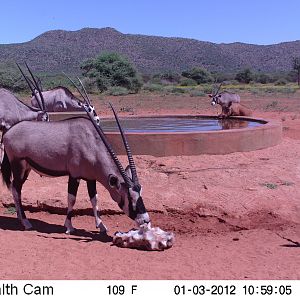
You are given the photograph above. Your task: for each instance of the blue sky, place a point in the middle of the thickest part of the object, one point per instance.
(219, 21)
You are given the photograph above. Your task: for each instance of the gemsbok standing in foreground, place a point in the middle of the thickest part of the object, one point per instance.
(77, 148)
(224, 99)
(74, 104)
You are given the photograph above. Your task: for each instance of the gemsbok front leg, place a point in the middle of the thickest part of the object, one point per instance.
(72, 192)
(91, 186)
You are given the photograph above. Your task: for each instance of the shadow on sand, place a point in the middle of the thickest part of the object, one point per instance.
(12, 224)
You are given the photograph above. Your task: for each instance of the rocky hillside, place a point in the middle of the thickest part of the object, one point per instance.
(58, 50)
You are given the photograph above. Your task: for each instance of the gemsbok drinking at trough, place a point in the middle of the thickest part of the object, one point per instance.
(80, 151)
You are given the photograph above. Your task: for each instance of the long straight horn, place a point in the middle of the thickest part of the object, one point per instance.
(219, 88)
(37, 87)
(75, 85)
(31, 86)
(29, 82)
(86, 94)
(128, 151)
(110, 150)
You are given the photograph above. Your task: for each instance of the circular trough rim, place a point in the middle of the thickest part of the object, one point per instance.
(265, 124)
(186, 143)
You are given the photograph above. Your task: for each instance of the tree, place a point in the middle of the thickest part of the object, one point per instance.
(199, 75)
(244, 76)
(111, 69)
(296, 67)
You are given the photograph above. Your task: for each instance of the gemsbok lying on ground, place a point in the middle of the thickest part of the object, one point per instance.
(80, 151)
(235, 109)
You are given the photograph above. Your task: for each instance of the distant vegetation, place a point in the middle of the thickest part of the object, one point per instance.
(113, 74)
(111, 70)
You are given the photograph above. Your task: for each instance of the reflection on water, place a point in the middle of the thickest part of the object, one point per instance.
(177, 124)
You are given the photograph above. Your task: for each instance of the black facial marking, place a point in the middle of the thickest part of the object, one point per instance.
(73, 186)
(137, 188)
(140, 207)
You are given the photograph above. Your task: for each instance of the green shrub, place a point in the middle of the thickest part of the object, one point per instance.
(188, 82)
(244, 76)
(153, 87)
(281, 81)
(111, 69)
(199, 75)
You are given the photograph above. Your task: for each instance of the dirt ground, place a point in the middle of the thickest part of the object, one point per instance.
(235, 216)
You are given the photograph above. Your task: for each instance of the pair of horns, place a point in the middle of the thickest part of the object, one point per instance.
(215, 93)
(33, 85)
(99, 129)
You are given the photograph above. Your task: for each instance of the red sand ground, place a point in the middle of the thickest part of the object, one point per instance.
(235, 216)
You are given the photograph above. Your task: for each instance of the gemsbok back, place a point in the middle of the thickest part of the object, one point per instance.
(77, 148)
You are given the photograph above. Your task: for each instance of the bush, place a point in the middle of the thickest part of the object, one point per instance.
(153, 87)
(244, 76)
(199, 75)
(281, 81)
(263, 78)
(111, 69)
(166, 78)
(11, 78)
(188, 82)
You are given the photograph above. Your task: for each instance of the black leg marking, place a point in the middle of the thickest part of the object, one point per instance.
(70, 215)
(73, 185)
(91, 186)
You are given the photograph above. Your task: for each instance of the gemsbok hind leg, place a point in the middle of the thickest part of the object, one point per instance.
(72, 192)
(91, 185)
(20, 174)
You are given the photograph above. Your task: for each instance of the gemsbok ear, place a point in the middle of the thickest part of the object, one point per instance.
(210, 95)
(128, 172)
(113, 181)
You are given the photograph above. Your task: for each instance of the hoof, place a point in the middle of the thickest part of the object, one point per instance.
(102, 227)
(27, 225)
(70, 231)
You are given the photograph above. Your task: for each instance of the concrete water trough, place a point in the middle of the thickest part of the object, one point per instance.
(189, 134)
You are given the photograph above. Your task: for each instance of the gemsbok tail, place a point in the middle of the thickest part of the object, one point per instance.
(6, 170)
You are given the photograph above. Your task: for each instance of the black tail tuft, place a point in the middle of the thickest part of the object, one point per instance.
(6, 170)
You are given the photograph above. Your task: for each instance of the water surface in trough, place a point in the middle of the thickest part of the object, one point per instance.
(177, 124)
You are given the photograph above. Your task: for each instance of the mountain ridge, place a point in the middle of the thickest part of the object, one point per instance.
(60, 50)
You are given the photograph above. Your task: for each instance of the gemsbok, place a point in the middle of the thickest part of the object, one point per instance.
(58, 99)
(224, 99)
(80, 151)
